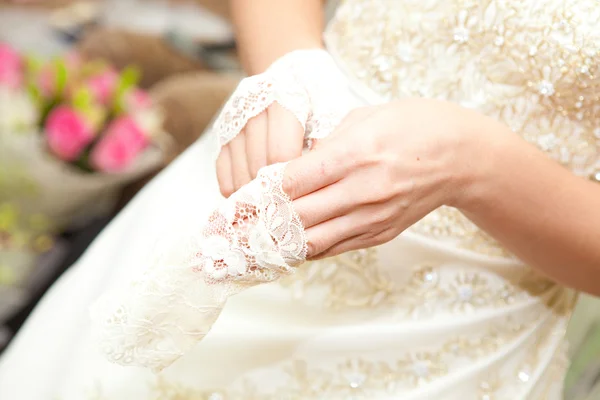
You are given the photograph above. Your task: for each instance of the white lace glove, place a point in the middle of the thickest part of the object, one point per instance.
(306, 82)
(252, 238)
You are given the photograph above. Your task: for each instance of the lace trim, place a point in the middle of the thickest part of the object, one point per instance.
(253, 96)
(305, 82)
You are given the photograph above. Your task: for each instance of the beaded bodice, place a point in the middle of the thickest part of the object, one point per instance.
(533, 64)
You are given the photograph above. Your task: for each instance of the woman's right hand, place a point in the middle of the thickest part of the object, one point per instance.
(268, 117)
(273, 136)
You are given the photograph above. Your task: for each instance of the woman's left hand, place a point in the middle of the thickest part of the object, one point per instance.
(383, 169)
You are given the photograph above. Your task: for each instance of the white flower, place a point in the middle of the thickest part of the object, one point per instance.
(263, 247)
(217, 248)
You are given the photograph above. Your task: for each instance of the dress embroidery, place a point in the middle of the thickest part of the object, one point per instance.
(357, 280)
(533, 65)
(364, 379)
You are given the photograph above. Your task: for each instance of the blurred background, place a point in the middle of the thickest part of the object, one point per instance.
(172, 65)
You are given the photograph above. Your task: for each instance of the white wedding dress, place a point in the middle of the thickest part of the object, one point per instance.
(441, 312)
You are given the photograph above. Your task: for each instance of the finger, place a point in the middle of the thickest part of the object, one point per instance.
(314, 171)
(350, 244)
(224, 175)
(256, 143)
(285, 135)
(320, 238)
(239, 165)
(327, 163)
(357, 242)
(311, 209)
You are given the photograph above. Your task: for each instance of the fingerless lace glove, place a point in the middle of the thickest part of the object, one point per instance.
(253, 237)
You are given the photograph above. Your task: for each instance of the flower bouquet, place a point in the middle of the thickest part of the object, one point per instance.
(72, 133)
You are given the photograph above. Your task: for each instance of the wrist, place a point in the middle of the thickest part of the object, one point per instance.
(258, 62)
(482, 148)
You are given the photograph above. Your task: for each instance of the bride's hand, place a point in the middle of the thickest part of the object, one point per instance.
(275, 135)
(268, 116)
(382, 170)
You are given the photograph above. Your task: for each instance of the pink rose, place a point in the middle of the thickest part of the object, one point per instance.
(103, 85)
(123, 141)
(67, 133)
(11, 67)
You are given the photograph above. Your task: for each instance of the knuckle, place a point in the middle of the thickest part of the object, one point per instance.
(384, 217)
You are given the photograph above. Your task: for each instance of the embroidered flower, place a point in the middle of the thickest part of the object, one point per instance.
(263, 247)
(221, 260)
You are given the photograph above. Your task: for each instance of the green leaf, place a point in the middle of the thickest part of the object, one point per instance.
(82, 99)
(33, 64)
(35, 94)
(61, 76)
(128, 79)
(83, 163)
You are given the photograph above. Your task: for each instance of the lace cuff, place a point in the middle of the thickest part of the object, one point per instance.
(305, 82)
(253, 237)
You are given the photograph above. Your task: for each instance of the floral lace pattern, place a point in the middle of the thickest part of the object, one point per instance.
(253, 237)
(305, 82)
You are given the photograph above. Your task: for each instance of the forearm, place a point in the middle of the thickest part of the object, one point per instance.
(539, 210)
(268, 29)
